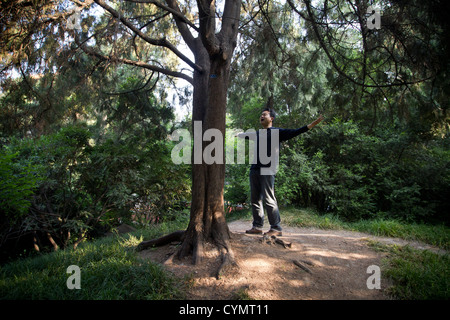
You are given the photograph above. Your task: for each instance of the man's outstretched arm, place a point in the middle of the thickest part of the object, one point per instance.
(286, 134)
(315, 122)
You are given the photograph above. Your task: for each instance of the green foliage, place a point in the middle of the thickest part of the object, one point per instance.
(357, 175)
(19, 182)
(97, 142)
(310, 218)
(382, 151)
(339, 168)
(237, 187)
(247, 117)
(86, 187)
(59, 205)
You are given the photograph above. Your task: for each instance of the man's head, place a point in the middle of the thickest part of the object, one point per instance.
(267, 117)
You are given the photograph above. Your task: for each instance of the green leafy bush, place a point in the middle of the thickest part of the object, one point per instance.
(83, 187)
(339, 168)
(19, 182)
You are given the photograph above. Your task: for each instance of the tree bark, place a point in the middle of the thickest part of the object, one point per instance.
(207, 219)
(213, 52)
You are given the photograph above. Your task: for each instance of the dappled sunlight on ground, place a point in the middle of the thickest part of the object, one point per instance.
(332, 254)
(260, 264)
(336, 267)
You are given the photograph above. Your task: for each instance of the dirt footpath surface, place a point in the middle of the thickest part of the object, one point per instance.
(330, 264)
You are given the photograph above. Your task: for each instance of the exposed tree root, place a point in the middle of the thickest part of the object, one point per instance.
(229, 264)
(174, 236)
(192, 245)
(301, 266)
(169, 260)
(273, 239)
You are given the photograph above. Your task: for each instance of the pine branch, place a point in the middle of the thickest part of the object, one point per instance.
(141, 64)
(157, 42)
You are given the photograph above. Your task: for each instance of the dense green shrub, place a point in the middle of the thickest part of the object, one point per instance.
(19, 181)
(339, 168)
(65, 187)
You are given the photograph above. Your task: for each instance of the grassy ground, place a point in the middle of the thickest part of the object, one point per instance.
(416, 274)
(111, 269)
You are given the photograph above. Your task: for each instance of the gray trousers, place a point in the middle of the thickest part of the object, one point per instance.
(263, 197)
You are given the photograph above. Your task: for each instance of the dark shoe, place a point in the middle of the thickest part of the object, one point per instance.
(273, 232)
(254, 231)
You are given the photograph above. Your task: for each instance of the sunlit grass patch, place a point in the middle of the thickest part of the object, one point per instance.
(109, 269)
(416, 274)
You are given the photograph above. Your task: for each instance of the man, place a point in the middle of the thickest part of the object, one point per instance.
(262, 175)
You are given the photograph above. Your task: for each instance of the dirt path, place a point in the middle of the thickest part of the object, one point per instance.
(337, 261)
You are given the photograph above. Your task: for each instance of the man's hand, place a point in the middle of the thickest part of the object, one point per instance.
(315, 122)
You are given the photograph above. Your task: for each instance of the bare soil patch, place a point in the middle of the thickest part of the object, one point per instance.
(337, 261)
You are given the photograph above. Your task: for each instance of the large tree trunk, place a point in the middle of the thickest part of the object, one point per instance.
(207, 220)
(213, 54)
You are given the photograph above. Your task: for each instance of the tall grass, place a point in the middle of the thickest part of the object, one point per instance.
(437, 235)
(110, 269)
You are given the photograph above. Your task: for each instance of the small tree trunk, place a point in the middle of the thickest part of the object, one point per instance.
(52, 241)
(35, 242)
